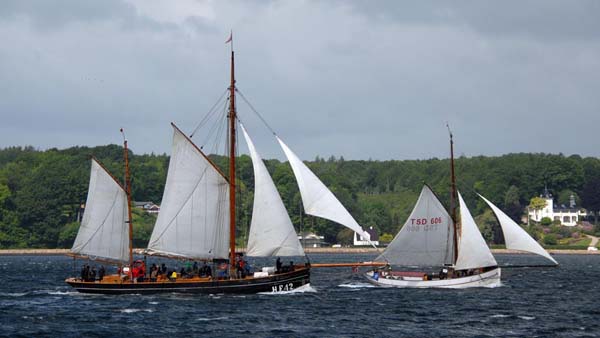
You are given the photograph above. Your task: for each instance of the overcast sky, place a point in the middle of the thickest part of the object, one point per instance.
(361, 79)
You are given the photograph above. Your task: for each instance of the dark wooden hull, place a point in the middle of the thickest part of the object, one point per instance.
(275, 283)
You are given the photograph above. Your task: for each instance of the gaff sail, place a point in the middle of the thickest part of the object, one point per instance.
(194, 217)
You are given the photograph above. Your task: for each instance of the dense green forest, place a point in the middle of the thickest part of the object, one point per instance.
(41, 191)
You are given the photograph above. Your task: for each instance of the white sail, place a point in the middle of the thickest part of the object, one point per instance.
(473, 252)
(104, 231)
(426, 239)
(316, 198)
(194, 216)
(271, 230)
(517, 238)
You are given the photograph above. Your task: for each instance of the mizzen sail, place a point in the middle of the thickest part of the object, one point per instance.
(317, 199)
(104, 232)
(194, 218)
(426, 237)
(271, 230)
(515, 237)
(473, 252)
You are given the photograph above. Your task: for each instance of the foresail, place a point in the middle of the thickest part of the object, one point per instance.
(426, 239)
(271, 230)
(317, 199)
(473, 252)
(517, 238)
(194, 216)
(103, 232)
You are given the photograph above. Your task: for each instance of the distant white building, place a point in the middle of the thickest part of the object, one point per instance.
(568, 216)
(373, 236)
(148, 207)
(311, 240)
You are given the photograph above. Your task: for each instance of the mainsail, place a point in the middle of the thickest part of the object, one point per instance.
(104, 232)
(426, 237)
(271, 230)
(194, 218)
(515, 237)
(316, 198)
(473, 252)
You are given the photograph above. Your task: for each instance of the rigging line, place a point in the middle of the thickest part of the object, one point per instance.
(256, 112)
(219, 134)
(210, 112)
(214, 128)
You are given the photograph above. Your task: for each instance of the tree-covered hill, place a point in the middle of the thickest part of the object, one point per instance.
(41, 191)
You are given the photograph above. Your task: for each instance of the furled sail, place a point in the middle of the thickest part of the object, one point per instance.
(104, 231)
(316, 198)
(473, 252)
(194, 216)
(426, 239)
(515, 237)
(271, 230)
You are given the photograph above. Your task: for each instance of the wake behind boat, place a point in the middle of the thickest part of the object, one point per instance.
(449, 251)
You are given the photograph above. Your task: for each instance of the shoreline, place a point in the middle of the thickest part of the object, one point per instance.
(64, 252)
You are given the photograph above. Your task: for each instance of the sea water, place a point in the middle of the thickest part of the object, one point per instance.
(531, 302)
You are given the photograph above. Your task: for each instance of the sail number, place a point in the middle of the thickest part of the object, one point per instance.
(282, 287)
(424, 224)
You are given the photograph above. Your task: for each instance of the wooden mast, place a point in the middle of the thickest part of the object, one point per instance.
(232, 118)
(453, 196)
(128, 192)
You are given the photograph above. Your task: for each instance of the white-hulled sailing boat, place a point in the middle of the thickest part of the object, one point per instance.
(431, 239)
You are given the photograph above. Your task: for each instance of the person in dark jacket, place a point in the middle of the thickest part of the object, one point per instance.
(101, 272)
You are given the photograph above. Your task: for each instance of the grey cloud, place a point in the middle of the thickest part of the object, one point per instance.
(547, 20)
(359, 79)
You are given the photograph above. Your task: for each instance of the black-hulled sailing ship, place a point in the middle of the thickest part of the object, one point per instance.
(197, 221)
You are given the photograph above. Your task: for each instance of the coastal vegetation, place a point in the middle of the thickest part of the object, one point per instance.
(42, 192)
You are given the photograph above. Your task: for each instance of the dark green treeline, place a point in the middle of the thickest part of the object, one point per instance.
(40, 191)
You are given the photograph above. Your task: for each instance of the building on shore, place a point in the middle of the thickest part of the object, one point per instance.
(567, 216)
(359, 240)
(147, 206)
(312, 240)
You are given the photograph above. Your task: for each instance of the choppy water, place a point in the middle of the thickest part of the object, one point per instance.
(532, 302)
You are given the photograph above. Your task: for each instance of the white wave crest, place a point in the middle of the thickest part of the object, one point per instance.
(499, 316)
(12, 294)
(202, 319)
(135, 310)
(357, 285)
(62, 293)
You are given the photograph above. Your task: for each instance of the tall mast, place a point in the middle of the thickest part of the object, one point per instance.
(128, 192)
(232, 118)
(453, 196)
